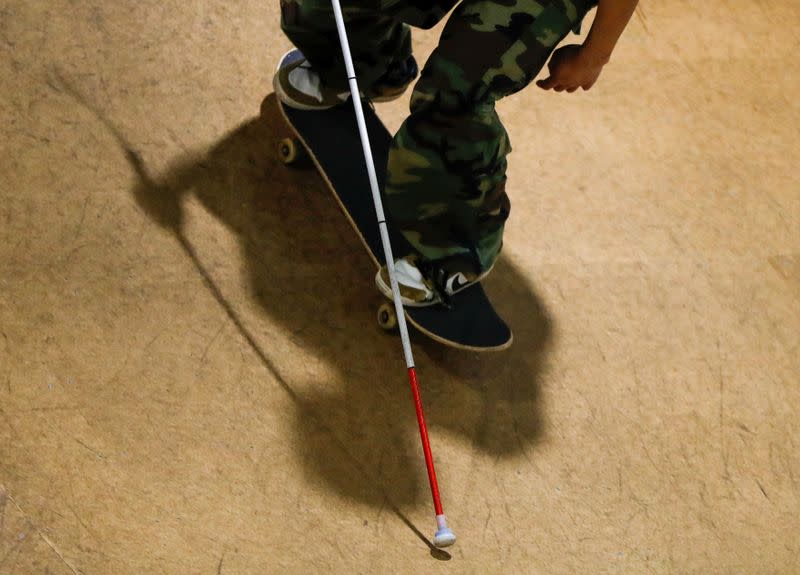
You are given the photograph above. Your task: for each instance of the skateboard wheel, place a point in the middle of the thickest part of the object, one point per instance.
(387, 317)
(289, 150)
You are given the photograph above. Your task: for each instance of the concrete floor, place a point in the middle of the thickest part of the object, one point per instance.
(180, 391)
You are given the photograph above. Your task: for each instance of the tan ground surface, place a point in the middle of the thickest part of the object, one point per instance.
(200, 402)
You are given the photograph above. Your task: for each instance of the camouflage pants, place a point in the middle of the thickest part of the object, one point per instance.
(446, 181)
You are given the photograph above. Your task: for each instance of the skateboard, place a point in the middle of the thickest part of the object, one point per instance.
(330, 139)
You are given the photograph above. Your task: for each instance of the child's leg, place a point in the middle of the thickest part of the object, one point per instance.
(376, 39)
(378, 32)
(447, 165)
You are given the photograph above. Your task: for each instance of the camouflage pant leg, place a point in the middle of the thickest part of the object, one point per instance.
(378, 33)
(447, 165)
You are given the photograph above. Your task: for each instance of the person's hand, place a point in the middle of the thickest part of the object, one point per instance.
(571, 68)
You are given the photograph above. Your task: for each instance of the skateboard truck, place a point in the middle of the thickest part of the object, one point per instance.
(444, 536)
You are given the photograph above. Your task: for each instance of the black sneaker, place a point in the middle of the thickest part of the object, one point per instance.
(299, 86)
(422, 284)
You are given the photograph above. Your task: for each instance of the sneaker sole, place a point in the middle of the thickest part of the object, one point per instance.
(284, 97)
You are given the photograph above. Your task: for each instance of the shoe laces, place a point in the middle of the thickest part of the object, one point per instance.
(437, 276)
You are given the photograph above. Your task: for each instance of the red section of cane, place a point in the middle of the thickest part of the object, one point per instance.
(426, 446)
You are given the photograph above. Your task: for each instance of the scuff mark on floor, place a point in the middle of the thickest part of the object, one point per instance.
(761, 487)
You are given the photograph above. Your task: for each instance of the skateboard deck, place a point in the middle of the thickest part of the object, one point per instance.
(331, 140)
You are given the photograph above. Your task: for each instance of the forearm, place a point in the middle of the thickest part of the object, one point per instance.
(611, 19)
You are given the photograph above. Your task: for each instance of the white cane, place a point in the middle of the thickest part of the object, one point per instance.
(444, 536)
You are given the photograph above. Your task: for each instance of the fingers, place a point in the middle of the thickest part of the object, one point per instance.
(550, 84)
(547, 84)
(553, 84)
(559, 82)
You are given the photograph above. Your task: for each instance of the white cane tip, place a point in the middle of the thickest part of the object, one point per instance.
(444, 538)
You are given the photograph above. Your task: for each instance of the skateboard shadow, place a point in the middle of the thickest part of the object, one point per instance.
(308, 272)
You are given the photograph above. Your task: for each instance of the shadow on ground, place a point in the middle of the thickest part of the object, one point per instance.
(308, 271)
